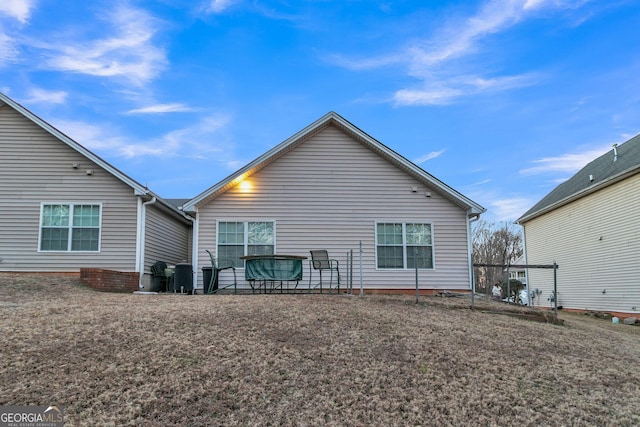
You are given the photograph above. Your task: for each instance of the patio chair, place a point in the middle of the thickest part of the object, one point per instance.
(217, 265)
(159, 276)
(320, 262)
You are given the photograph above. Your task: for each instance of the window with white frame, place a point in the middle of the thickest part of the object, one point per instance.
(70, 227)
(236, 239)
(404, 245)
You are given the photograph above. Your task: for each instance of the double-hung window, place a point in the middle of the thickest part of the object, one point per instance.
(404, 245)
(236, 239)
(70, 227)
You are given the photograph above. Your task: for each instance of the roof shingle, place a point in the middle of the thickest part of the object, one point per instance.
(599, 173)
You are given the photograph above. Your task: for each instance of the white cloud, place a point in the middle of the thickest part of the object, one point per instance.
(8, 49)
(458, 38)
(435, 95)
(37, 96)
(565, 163)
(442, 85)
(365, 63)
(196, 141)
(510, 209)
(219, 6)
(18, 9)
(483, 182)
(128, 52)
(462, 37)
(435, 61)
(442, 93)
(90, 136)
(429, 156)
(532, 4)
(580, 103)
(161, 109)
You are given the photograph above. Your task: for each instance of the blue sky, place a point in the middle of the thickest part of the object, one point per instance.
(500, 99)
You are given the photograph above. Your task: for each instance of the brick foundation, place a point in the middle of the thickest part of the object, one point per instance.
(109, 280)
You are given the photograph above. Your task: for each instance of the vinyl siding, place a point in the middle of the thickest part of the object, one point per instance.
(595, 241)
(36, 167)
(328, 193)
(165, 238)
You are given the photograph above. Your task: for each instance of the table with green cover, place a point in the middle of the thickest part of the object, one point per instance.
(272, 269)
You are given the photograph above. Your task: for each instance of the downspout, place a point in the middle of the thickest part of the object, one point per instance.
(142, 222)
(138, 240)
(526, 262)
(194, 247)
(470, 219)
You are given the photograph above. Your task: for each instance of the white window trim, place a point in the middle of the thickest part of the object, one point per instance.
(70, 227)
(404, 243)
(245, 236)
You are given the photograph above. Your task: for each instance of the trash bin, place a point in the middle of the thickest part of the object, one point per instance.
(206, 279)
(183, 278)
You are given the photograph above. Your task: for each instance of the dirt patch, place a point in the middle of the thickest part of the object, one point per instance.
(124, 359)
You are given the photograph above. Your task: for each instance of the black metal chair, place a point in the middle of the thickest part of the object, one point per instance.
(217, 265)
(159, 276)
(320, 262)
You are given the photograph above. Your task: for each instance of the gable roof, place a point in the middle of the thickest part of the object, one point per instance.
(613, 166)
(138, 189)
(334, 119)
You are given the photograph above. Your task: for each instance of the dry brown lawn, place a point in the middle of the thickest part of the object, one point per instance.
(307, 360)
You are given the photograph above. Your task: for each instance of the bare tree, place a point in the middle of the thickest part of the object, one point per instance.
(494, 244)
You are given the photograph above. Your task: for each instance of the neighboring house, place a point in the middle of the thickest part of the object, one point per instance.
(331, 186)
(64, 209)
(518, 273)
(590, 226)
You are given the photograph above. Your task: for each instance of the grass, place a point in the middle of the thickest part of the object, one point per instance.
(307, 360)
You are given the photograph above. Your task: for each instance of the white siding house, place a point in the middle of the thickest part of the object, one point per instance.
(518, 273)
(332, 186)
(62, 208)
(590, 226)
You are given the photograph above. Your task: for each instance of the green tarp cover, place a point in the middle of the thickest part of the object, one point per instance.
(273, 269)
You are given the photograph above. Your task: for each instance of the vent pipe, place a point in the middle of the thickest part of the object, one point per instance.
(615, 152)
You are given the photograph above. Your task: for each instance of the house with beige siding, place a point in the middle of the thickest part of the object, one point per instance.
(589, 225)
(65, 209)
(331, 186)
